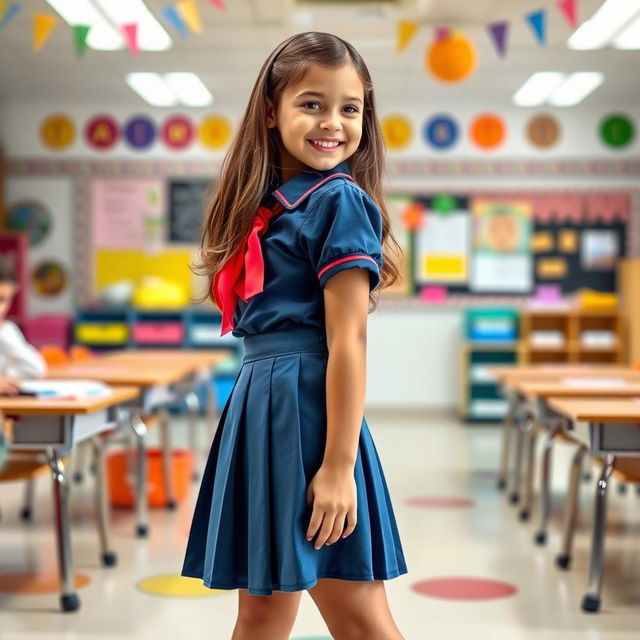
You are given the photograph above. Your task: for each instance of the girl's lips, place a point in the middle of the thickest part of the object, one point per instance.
(325, 149)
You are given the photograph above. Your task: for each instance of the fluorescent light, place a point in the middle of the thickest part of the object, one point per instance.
(189, 89)
(538, 88)
(102, 35)
(604, 24)
(151, 34)
(576, 88)
(152, 89)
(629, 37)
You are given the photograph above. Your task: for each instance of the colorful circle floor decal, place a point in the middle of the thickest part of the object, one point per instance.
(176, 586)
(460, 588)
(439, 502)
(36, 583)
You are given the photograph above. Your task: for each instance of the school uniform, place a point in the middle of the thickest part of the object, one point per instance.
(251, 516)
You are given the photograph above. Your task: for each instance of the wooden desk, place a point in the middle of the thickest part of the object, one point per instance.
(54, 427)
(614, 430)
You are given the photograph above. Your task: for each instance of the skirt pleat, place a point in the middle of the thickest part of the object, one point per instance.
(251, 516)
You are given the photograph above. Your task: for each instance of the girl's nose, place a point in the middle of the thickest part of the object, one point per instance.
(331, 122)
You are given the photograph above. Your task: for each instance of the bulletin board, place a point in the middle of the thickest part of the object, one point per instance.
(509, 243)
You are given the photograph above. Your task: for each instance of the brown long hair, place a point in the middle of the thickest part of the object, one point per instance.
(250, 167)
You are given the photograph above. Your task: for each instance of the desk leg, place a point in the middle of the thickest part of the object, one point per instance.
(26, 512)
(563, 560)
(165, 437)
(531, 438)
(507, 427)
(193, 415)
(109, 557)
(591, 600)
(524, 425)
(545, 484)
(68, 597)
(140, 431)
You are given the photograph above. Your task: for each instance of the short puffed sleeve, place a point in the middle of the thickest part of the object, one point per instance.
(344, 231)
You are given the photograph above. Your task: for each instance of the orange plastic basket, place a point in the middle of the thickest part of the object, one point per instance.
(120, 479)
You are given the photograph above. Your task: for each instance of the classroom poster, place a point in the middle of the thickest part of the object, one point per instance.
(127, 213)
(397, 207)
(443, 245)
(502, 246)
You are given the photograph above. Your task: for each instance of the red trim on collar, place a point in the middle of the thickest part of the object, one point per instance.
(315, 186)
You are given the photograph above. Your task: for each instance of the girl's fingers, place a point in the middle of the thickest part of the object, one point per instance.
(338, 527)
(351, 523)
(325, 531)
(314, 523)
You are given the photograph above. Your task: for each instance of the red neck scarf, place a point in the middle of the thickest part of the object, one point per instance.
(243, 273)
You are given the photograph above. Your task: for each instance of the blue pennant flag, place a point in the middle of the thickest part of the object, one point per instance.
(537, 22)
(172, 16)
(12, 11)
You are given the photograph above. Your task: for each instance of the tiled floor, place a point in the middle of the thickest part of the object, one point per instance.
(422, 455)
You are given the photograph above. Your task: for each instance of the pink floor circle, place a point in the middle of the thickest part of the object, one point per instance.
(463, 588)
(439, 502)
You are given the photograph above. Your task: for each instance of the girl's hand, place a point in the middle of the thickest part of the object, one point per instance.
(332, 491)
(9, 387)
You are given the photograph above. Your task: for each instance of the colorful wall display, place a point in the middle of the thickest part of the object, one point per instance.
(452, 57)
(215, 132)
(543, 131)
(397, 131)
(187, 201)
(487, 131)
(616, 131)
(57, 131)
(441, 132)
(101, 132)
(31, 217)
(139, 132)
(49, 278)
(177, 132)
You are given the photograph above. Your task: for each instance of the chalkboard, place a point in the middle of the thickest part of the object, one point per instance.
(187, 200)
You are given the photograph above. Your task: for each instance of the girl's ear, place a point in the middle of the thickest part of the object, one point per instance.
(271, 114)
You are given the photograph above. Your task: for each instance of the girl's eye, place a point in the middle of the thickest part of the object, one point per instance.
(311, 105)
(351, 108)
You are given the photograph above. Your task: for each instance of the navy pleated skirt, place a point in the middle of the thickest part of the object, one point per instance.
(251, 515)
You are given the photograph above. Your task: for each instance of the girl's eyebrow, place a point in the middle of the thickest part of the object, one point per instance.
(318, 94)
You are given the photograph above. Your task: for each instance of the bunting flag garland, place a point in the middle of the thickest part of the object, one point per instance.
(569, 9)
(498, 32)
(130, 33)
(538, 23)
(80, 33)
(405, 32)
(219, 4)
(8, 12)
(190, 14)
(43, 25)
(172, 16)
(441, 33)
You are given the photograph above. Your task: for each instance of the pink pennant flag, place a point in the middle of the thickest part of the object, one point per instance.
(219, 4)
(131, 37)
(569, 9)
(442, 33)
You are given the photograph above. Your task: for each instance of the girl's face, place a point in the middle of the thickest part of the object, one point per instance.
(319, 119)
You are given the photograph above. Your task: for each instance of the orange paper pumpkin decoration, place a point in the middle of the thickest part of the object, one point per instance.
(452, 58)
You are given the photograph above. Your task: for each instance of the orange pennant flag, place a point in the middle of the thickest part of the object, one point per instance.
(405, 32)
(43, 24)
(190, 14)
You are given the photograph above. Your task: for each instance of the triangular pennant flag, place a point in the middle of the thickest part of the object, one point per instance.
(405, 31)
(8, 13)
(219, 4)
(80, 33)
(189, 12)
(130, 32)
(442, 33)
(172, 16)
(569, 9)
(498, 32)
(537, 22)
(43, 24)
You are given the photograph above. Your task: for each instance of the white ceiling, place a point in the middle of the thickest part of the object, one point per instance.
(228, 54)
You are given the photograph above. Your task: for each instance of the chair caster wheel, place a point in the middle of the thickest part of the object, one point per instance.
(142, 531)
(523, 515)
(514, 498)
(25, 514)
(109, 559)
(541, 538)
(70, 602)
(590, 603)
(563, 562)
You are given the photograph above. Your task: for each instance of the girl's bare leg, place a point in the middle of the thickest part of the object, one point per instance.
(265, 617)
(355, 609)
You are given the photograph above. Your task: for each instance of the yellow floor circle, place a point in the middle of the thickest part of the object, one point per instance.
(174, 585)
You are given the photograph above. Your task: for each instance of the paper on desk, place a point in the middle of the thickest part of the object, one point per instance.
(66, 388)
(596, 383)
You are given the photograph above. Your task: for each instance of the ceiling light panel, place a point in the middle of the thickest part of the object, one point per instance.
(152, 89)
(576, 88)
(538, 88)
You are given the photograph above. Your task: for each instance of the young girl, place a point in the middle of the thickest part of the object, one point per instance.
(293, 496)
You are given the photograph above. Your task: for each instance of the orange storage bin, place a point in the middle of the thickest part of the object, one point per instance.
(121, 480)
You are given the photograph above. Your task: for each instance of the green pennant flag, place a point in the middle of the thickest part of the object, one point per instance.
(80, 33)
